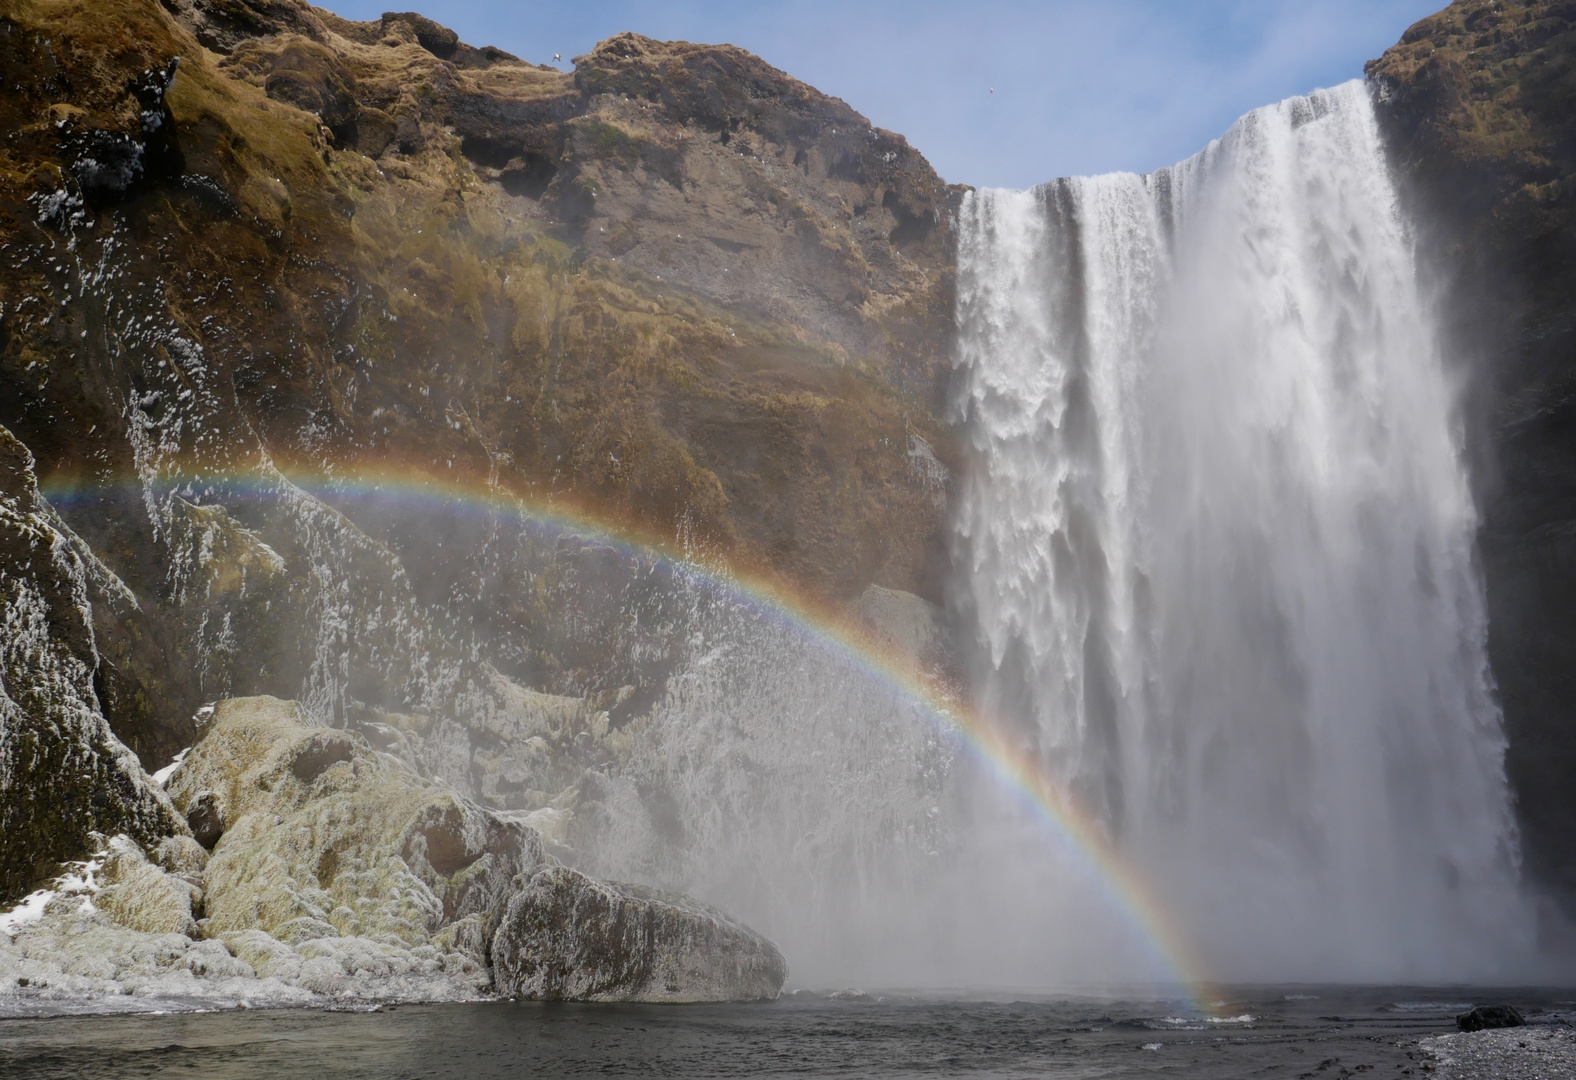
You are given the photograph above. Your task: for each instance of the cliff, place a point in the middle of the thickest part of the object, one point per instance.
(631, 285)
(63, 773)
(254, 252)
(1477, 105)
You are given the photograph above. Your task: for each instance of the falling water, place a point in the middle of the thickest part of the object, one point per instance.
(1217, 546)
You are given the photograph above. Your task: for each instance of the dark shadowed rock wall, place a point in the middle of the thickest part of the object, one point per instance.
(1479, 104)
(63, 774)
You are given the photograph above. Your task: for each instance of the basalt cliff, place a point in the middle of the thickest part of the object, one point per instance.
(350, 365)
(1477, 103)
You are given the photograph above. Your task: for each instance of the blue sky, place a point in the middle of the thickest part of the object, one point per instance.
(1081, 86)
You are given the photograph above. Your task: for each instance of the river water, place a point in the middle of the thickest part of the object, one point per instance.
(1284, 1031)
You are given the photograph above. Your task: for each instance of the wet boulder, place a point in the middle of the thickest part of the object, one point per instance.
(567, 937)
(205, 818)
(1485, 1017)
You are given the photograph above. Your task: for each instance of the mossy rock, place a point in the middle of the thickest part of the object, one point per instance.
(323, 836)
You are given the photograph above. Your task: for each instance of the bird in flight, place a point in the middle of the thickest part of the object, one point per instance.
(556, 58)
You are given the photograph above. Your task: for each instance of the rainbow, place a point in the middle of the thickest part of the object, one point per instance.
(1016, 769)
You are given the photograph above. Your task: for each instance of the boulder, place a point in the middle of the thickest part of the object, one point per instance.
(323, 837)
(567, 937)
(1485, 1017)
(205, 818)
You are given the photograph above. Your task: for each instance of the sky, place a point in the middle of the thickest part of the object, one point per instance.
(995, 93)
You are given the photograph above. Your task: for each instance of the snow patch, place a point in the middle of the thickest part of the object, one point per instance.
(162, 777)
(79, 879)
(30, 910)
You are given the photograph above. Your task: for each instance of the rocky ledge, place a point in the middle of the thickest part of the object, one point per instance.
(319, 869)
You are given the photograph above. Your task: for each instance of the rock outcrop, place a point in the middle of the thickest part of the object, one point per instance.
(63, 773)
(1487, 1017)
(567, 937)
(264, 263)
(336, 872)
(320, 837)
(907, 627)
(677, 284)
(1477, 107)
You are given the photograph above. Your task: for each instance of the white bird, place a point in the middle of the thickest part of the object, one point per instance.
(993, 89)
(556, 57)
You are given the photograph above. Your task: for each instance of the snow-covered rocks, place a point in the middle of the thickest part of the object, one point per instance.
(63, 773)
(340, 874)
(142, 896)
(324, 837)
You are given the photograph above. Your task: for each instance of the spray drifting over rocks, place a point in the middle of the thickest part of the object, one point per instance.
(336, 874)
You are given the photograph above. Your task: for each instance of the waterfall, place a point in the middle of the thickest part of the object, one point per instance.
(1217, 548)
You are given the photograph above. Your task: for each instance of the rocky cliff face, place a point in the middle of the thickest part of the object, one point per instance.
(1478, 105)
(63, 773)
(251, 249)
(635, 284)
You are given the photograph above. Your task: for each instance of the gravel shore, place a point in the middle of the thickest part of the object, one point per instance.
(1535, 1052)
